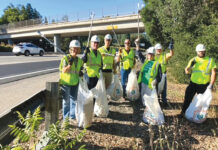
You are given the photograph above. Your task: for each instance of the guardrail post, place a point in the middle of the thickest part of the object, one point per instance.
(51, 104)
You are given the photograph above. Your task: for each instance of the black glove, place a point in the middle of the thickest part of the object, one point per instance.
(80, 73)
(71, 61)
(171, 45)
(87, 50)
(193, 63)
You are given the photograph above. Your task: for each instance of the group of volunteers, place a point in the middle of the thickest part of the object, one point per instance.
(102, 59)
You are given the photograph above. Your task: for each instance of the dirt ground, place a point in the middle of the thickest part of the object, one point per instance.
(124, 128)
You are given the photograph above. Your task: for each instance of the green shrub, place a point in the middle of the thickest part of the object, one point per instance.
(5, 49)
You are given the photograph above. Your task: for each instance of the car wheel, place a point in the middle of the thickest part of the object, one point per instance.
(41, 53)
(27, 53)
(17, 54)
(32, 54)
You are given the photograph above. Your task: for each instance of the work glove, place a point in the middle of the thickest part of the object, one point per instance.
(71, 61)
(154, 83)
(193, 62)
(210, 86)
(87, 50)
(80, 73)
(137, 41)
(171, 45)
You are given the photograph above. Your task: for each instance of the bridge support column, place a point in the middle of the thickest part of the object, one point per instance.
(10, 42)
(57, 42)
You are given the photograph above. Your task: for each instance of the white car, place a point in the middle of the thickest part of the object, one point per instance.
(27, 49)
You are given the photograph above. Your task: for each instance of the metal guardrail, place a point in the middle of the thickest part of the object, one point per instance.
(34, 22)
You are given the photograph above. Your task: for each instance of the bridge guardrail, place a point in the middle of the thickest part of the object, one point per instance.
(35, 22)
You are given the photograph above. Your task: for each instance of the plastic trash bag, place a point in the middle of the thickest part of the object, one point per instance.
(84, 105)
(152, 114)
(161, 84)
(115, 90)
(197, 110)
(101, 108)
(132, 88)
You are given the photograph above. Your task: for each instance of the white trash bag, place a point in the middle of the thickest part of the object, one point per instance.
(197, 110)
(115, 90)
(84, 105)
(101, 108)
(153, 114)
(161, 84)
(132, 88)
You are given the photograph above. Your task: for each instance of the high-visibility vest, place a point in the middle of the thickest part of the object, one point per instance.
(153, 74)
(107, 59)
(201, 71)
(127, 59)
(70, 78)
(162, 61)
(93, 64)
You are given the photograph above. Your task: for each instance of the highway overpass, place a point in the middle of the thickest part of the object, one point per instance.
(121, 24)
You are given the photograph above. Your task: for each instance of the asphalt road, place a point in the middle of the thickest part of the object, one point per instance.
(23, 68)
(14, 68)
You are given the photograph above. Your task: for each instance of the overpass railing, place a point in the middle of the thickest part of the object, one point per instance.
(42, 21)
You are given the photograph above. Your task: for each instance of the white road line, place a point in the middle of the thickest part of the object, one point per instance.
(27, 73)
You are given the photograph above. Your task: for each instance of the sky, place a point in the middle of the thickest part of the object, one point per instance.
(56, 9)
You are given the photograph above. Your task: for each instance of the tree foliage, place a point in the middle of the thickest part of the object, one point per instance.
(19, 13)
(188, 22)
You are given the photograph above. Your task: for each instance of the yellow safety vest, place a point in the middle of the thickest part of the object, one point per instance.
(162, 61)
(153, 74)
(107, 59)
(93, 64)
(70, 78)
(201, 71)
(127, 59)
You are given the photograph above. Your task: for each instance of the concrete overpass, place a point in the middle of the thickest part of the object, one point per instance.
(121, 24)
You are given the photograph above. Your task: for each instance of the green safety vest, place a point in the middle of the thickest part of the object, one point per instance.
(70, 78)
(162, 61)
(107, 60)
(153, 74)
(201, 71)
(127, 59)
(93, 64)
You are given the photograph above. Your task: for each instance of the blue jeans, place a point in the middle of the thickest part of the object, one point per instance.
(164, 93)
(69, 95)
(124, 79)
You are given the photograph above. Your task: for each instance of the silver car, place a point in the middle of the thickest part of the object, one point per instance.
(27, 49)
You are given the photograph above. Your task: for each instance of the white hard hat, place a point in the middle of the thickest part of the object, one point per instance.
(108, 37)
(200, 47)
(95, 38)
(150, 50)
(74, 43)
(158, 46)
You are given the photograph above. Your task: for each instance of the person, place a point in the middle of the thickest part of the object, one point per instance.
(70, 70)
(93, 62)
(203, 75)
(150, 73)
(127, 58)
(108, 53)
(163, 58)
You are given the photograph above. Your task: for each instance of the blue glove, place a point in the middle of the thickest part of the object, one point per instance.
(171, 45)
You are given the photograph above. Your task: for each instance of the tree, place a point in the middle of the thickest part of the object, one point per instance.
(19, 13)
(188, 22)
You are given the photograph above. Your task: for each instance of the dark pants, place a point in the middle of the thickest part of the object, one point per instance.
(91, 81)
(190, 92)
